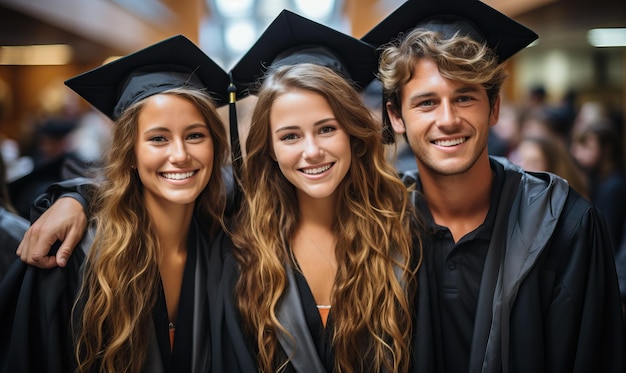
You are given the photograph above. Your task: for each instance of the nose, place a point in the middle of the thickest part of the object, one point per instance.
(312, 150)
(178, 152)
(447, 114)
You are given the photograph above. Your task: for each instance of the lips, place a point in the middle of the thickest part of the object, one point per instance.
(177, 175)
(317, 170)
(450, 142)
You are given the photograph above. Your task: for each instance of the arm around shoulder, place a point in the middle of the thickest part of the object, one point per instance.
(58, 215)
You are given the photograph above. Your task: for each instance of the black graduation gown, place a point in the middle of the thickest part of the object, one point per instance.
(39, 304)
(297, 312)
(12, 229)
(549, 300)
(236, 351)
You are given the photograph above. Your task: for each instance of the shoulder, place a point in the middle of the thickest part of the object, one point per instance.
(577, 212)
(12, 225)
(581, 235)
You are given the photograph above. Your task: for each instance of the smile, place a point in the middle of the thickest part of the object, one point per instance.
(178, 175)
(317, 170)
(451, 142)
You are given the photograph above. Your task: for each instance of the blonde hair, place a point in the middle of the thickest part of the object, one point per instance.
(113, 310)
(459, 58)
(372, 307)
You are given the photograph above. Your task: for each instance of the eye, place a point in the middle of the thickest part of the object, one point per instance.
(289, 137)
(197, 136)
(425, 103)
(465, 99)
(327, 129)
(157, 138)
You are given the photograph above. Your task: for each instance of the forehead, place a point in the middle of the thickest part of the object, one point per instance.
(426, 75)
(298, 107)
(167, 110)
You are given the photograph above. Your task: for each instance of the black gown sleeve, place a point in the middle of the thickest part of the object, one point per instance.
(568, 316)
(231, 349)
(80, 188)
(35, 309)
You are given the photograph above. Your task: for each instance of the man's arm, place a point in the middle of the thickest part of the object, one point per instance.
(58, 215)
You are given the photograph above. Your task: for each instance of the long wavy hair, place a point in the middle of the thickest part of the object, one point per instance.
(374, 221)
(459, 58)
(113, 309)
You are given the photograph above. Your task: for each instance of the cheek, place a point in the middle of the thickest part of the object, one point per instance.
(285, 157)
(146, 158)
(210, 153)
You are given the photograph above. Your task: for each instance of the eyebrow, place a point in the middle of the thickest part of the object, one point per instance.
(464, 89)
(166, 129)
(294, 127)
(468, 89)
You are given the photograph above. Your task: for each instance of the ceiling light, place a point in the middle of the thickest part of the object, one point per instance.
(607, 37)
(234, 8)
(240, 36)
(52, 54)
(315, 9)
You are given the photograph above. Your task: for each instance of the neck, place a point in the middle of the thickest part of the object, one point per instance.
(459, 202)
(171, 224)
(317, 212)
(313, 245)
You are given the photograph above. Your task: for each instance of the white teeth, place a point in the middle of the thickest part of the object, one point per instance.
(178, 176)
(452, 142)
(315, 171)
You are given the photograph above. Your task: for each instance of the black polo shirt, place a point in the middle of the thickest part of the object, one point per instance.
(454, 273)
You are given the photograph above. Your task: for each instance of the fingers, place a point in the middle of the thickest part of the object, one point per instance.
(64, 221)
(34, 248)
(67, 247)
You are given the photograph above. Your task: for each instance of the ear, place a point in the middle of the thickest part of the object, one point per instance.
(494, 114)
(395, 118)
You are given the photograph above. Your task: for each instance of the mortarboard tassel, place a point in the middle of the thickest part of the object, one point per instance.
(235, 147)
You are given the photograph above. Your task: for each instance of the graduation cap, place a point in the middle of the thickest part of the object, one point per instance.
(291, 39)
(471, 18)
(171, 63)
(466, 17)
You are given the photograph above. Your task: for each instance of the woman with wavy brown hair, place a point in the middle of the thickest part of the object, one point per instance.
(326, 243)
(141, 238)
(325, 214)
(144, 279)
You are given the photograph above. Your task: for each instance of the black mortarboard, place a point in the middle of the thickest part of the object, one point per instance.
(292, 39)
(171, 63)
(469, 17)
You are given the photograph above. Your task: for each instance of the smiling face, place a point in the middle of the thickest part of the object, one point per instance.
(311, 148)
(447, 122)
(531, 156)
(174, 151)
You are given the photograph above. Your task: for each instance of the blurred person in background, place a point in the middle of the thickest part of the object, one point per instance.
(506, 134)
(597, 149)
(544, 153)
(12, 226)
(52, 139)
(91, 137)
(53, 161)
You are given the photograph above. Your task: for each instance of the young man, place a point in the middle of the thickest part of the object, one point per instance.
(519, 274)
